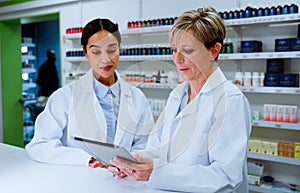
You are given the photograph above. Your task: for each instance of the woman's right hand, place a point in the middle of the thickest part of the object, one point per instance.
(93, 163)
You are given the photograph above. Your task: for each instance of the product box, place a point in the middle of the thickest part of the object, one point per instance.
(255, 168)
(251, 145)
(282, 45)
(289, 80)
(297, 150)
(275, 65)
(289, 150)
(271, 79)
(251, 46)
(272, 150)
(293, 110)
(281, 149)
(295, 44)
(254, 180)
(270, 112)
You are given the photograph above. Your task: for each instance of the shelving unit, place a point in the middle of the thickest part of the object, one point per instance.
(267, 29)
(141, 37)
(280, 26)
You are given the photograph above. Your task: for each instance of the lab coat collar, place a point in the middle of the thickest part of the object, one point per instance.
(93, 125)
(213, 81)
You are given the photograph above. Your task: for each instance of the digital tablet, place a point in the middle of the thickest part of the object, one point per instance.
(106, 151)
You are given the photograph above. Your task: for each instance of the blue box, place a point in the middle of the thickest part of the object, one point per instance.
(251, 46)
(282, 45)
(271, 79)
(289, 80)
(275, 65)
(295, 44)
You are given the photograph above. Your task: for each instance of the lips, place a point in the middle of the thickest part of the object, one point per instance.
(106, 68)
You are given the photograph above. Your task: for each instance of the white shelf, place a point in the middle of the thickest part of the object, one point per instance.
(73, 36)
(259, 55)
(146, 30)
(28, 70)
(271, 90)
(277, 125)
(28, 85)
(76, 59)
(263, 20)
(32, 45)
(153, 85)
(148, 57)
(278, 159)
(265, 189)
(28, 57)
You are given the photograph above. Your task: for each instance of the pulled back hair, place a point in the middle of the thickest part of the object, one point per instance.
(206, 24)
(97, 25)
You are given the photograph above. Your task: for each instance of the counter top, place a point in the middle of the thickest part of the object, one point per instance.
(19, 174)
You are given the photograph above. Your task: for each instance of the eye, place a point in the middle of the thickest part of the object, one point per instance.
(188, 51)
(96, 52)
(111, 51)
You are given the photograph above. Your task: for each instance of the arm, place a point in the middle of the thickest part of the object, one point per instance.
(226, 153)
(50, 141)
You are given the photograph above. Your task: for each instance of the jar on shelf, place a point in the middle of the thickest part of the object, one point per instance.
(238, 78)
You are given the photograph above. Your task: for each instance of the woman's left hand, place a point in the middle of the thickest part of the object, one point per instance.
(140, 171)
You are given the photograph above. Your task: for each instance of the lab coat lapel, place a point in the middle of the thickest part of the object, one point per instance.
(89, 117)
(126, 124)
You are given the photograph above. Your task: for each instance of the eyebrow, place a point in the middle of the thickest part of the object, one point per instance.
(98, 46)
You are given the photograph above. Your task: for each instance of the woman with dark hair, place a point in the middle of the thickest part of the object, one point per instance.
(99, 106)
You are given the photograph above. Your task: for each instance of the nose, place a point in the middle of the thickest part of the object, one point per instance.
(105, 58)
(178, 57)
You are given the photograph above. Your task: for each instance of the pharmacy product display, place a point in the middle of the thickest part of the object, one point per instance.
(269, 77)
(144, 62)
(28, 85)
(248, 58)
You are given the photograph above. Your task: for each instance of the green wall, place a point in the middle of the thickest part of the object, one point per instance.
(11, 74)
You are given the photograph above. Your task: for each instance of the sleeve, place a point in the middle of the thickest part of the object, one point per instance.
(49, 144)
(227, 139)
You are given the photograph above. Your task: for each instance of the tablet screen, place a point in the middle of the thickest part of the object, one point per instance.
(106, 151)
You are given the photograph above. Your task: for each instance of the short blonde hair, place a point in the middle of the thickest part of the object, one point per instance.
(208, 27)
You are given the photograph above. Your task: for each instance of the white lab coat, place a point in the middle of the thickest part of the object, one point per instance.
(207, 150)
(74, 110)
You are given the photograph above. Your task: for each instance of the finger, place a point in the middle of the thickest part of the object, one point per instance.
(121, 175)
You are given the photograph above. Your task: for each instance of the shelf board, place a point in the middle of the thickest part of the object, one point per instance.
(148, 57)
(28, 85)
(271, 90)
(146, 30)
(277, 125)
(28, 57)
(263, 20)
(73, 36)
(32, 45)
(76, 59)
(264, 189)
(152, 85)
(28, 70)
(278, 159)
(259, 55)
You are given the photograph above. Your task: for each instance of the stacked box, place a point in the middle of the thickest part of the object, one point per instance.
(297, 150)
(295, 44)
(282, 45)
(275, 65)
(289, 80)
(271, 79)
(251, 46)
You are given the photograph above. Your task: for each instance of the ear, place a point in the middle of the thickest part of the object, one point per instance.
(215, 50)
